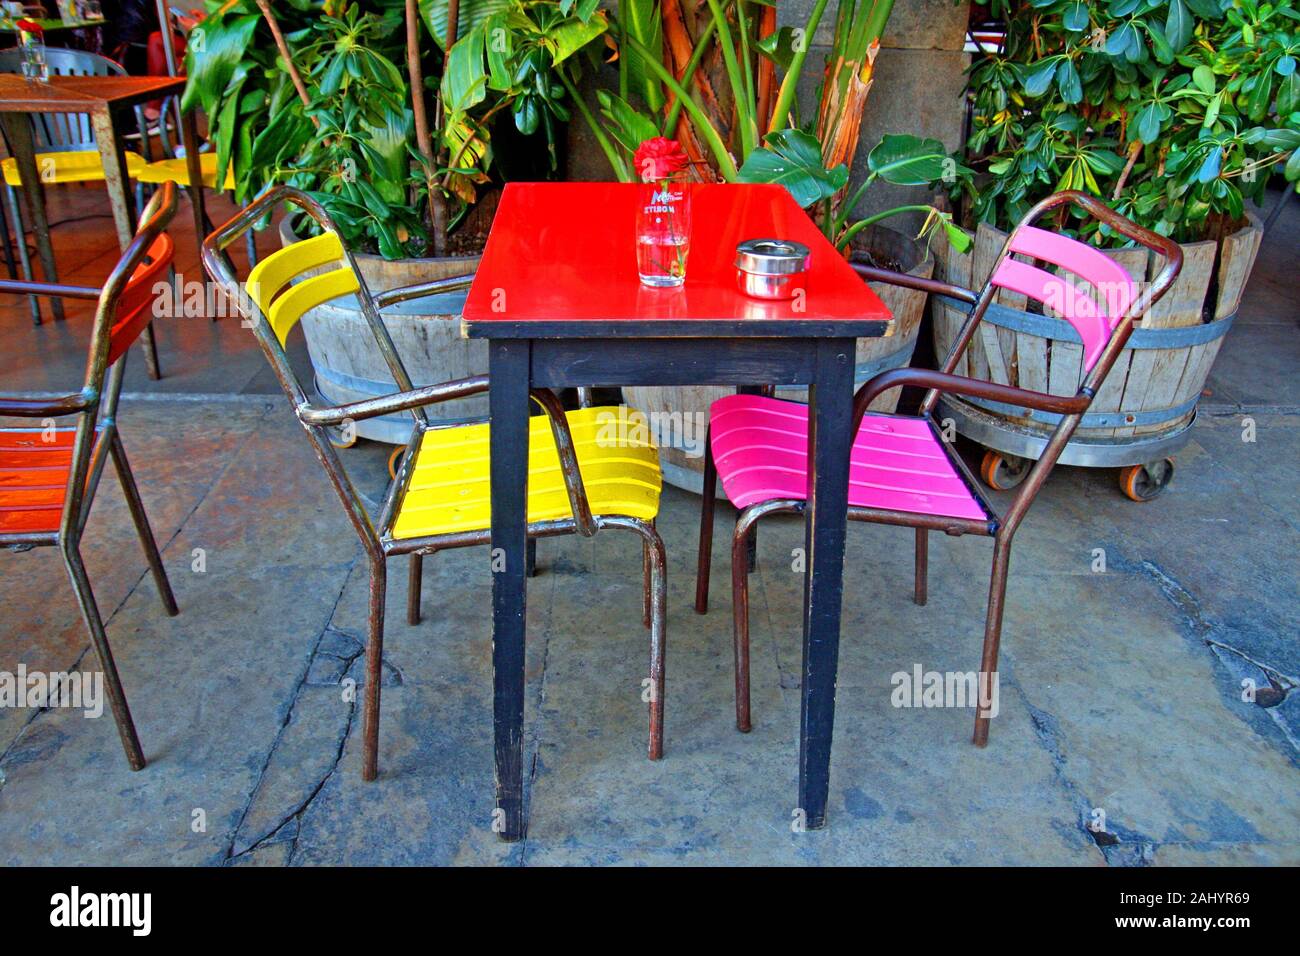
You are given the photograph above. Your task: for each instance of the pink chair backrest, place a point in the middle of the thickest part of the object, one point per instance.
(1076, 304)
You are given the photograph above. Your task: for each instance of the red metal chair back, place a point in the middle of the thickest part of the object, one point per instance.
(136, 305)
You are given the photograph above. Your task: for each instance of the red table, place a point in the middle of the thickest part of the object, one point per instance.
(557, 296)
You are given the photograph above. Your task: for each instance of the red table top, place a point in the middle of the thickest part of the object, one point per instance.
(561, 261)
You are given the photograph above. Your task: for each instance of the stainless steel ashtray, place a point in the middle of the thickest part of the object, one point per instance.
(771, 268)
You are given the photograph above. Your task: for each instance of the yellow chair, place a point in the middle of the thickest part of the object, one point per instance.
(588, 469)
(176, 171)
(70, 166)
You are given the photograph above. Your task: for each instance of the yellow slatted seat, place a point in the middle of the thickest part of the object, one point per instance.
(71, 166)
(450, 489)
(176, 171)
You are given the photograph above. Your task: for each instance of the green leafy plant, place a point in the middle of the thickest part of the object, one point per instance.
(793, 158)
(334, 97)
(1175, 111)
(705, 73)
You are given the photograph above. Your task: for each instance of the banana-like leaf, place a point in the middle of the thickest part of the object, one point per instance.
(641, 19)
(793, 159)
(473, 13)
(464, 82)
(908, 160)
(210, 64)
(628, 126)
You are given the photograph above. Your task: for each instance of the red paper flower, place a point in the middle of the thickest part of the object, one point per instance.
(30, 26)
(658, 158)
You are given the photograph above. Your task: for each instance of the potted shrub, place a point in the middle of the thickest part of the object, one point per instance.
(386, 112)
(1176, 113)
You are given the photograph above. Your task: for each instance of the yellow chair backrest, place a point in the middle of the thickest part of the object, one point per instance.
(283, 304)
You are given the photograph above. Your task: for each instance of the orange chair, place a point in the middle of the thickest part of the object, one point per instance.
(48, 476)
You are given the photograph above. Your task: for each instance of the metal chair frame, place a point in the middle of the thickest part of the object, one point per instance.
(377, 535)
(1001, 528)
(61, 132)
(97, 439)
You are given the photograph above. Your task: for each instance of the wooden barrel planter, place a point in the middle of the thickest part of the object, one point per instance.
(348, 367)
(1144, 411)
(679, 415)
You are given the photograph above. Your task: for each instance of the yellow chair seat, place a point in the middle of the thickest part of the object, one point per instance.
(72, 166)
(175, 171)
(450, 488)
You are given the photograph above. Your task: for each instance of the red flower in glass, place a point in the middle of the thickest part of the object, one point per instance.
(658, 158)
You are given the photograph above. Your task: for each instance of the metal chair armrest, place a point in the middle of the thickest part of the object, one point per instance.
(32, 287)
(46, 404)
(934, 286)
(568, 453)
(961, 385)
(383, 300)
(396, 402)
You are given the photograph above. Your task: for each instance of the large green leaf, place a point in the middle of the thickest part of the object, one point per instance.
(641, 19)
(569, 37)
(779, 46)
(908, 160)
(385, 149)
(1178, 25)
(630, 127)
(464, 82)
(211, 60)
(793, 159)
(472, 14)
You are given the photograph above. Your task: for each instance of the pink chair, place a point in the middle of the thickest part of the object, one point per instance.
(901, 471)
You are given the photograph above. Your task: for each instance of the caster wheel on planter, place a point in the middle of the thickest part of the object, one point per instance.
(1004, 472)
(394, 458)
(1144, 482)
(342, 436)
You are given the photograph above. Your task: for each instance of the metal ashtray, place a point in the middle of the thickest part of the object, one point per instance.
(771, 268)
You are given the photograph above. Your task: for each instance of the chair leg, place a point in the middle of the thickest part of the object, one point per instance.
(414, 580)
(530, 558)
(745, 523)
(646, 617)
(992, 636)
(658, 593)
(374, 669)
(708, 504)
(20, 240)
(10, 263)
(922, 565)
(112, 683)
(142, 529)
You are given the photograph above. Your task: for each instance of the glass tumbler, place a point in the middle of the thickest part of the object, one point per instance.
(663, 232)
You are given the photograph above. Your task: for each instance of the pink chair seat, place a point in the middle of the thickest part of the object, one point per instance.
(760, 446)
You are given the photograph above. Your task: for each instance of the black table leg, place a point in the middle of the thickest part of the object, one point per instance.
(830, 417)
(508, 367)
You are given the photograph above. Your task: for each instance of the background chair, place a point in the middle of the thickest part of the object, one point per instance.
(66, 151)
(901, 471)
(48, 479)
(577, 482)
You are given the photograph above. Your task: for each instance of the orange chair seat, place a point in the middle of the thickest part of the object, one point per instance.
(33, 479)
